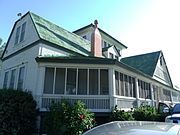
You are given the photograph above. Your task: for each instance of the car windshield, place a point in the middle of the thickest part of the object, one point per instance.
(176, 108)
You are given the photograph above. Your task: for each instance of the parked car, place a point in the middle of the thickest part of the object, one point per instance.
(135, 128)
(174, 116)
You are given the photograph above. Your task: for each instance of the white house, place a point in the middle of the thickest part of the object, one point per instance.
(85, 65)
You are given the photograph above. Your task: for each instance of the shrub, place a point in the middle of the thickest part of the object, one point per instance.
(66, 119)
(17, 112)
(120, 115)
(145, 113)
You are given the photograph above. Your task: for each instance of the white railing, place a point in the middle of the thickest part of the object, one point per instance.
(96, 103)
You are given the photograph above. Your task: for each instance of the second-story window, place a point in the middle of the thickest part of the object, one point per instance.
(20, 33)
(17, 35)
(23, 32)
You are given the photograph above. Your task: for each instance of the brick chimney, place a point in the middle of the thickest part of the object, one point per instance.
(96, 48)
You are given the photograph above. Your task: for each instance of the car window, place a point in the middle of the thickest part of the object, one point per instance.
(176, 108)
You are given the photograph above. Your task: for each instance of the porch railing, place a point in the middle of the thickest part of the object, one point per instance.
(96, 103)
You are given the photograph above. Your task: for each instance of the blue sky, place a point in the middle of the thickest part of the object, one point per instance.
(142, 25)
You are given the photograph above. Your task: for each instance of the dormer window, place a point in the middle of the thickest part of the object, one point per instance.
(116, 57)
(85, 37)
(105, 44)
(111, 56)
(20, 30)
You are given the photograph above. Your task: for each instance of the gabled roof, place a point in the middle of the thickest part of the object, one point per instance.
(101, 31)
(59, 36)
(145, 63)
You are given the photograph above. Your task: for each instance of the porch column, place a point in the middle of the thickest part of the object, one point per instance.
(39, 85)
(152, 94)
(137, 93)
(113, 100)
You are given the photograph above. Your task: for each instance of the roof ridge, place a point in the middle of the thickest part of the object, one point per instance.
(142, 54)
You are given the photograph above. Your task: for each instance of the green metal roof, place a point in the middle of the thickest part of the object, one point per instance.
(145, 63)
(59, 36)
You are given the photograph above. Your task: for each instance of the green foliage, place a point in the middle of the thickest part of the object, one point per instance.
(145, 113)
(66, 119)
(121, 115)
(17, 113)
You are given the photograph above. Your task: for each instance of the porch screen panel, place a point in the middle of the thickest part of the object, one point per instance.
(134, 87)
(93, 82)
(48, 81)
(130, 93)
(117, 83)
(144, 89)
(122, 84)
(104, 82)
(71, 81)
(82, 82)
(60, 81)
(167, 95)
(126, 85)
(155, 91)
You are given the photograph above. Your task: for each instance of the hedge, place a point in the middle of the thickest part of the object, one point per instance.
(17, 112)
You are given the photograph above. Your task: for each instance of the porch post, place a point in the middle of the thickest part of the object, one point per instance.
(137, 92)
(40, 85)
(152, 94)
(113, 100)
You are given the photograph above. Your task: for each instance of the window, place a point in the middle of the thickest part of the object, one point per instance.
(82, 82)
(117, 83)
(71, 81)
(60, 81)
(125, 85)
(105, 44)
(161, 60)
(23, 32)
(111, 55)
(167, 95)
(144, 89)
(12, 80)
(21, 78)
(85, 37)
(116, 57)
(75, 81)
(122, 84)
(104, 83)
(5, 80)
(17, 35)
(93, 82)
(48, 82)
